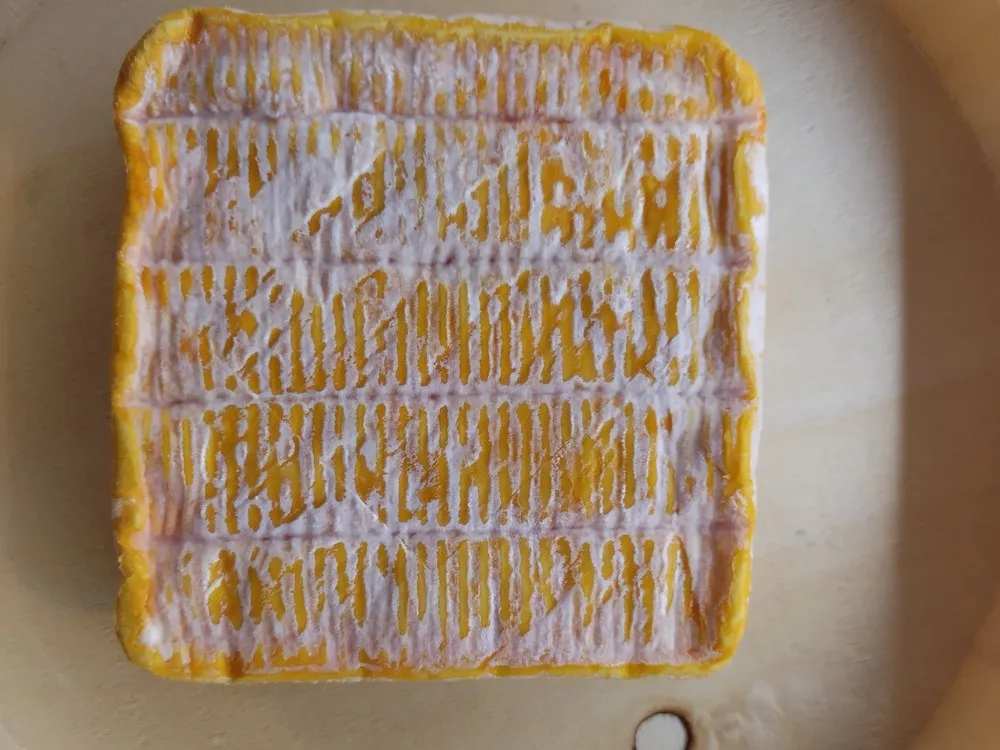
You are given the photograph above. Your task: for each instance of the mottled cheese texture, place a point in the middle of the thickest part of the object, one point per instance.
(437, 347)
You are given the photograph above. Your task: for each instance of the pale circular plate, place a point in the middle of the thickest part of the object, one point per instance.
(877, 538)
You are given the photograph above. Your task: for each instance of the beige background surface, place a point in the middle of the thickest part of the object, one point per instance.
(877, 543)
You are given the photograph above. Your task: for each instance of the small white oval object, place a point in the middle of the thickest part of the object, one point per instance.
(662, 731)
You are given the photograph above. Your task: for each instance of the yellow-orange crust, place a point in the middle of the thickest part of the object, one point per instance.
(131, 513)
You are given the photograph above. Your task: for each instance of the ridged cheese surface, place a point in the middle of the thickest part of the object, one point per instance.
(438, 347)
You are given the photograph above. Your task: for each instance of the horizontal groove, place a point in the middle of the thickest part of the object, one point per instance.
(679, 260)
(437, 393)
(734, 119)
(726, 521)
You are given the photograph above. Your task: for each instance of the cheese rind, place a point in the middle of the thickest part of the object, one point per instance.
(438, 347)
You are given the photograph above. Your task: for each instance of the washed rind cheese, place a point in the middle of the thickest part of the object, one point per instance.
(438, 347)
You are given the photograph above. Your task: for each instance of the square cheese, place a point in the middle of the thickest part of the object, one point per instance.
(438, 347)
